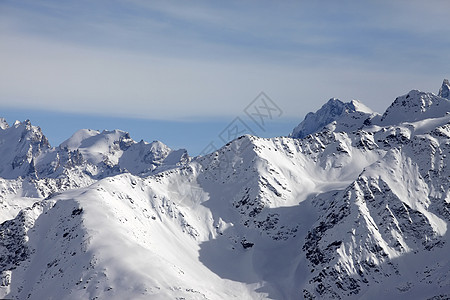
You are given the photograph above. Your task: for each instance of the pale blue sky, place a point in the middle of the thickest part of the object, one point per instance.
(177, 65)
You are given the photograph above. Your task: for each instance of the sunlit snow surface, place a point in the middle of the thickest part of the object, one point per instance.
(358, 209)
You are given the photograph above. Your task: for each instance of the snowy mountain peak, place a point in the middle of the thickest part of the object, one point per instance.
(3, 123)
(19, 145)
(358, 209)
(415, 106)
(88, 138)
(117, 148)
(78, 137)
(86, 157)
(444, 91)
(333, 110)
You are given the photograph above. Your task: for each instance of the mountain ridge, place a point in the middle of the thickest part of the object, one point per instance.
(358, 208)
(333, 110)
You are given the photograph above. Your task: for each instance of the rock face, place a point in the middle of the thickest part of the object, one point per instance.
(357, 209)
(444, 91)
(20, 145)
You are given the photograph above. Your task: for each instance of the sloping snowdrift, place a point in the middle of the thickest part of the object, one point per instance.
(358, 209)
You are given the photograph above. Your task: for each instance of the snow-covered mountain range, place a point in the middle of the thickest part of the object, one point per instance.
(353, 205)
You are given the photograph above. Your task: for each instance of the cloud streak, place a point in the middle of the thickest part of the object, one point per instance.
(174, 61)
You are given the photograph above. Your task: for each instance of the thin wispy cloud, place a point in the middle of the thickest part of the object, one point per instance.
(172, 60)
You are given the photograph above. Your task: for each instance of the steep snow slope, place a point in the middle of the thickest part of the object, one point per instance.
(116, 240)
(239, 219)
(395, 212)
(203, 211)
(358, 211)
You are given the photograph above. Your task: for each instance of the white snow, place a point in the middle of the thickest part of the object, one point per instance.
(343, 116)
(356, 208)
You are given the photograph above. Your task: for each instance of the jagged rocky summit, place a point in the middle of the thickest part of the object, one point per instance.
(354, 205)
(444, 91)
